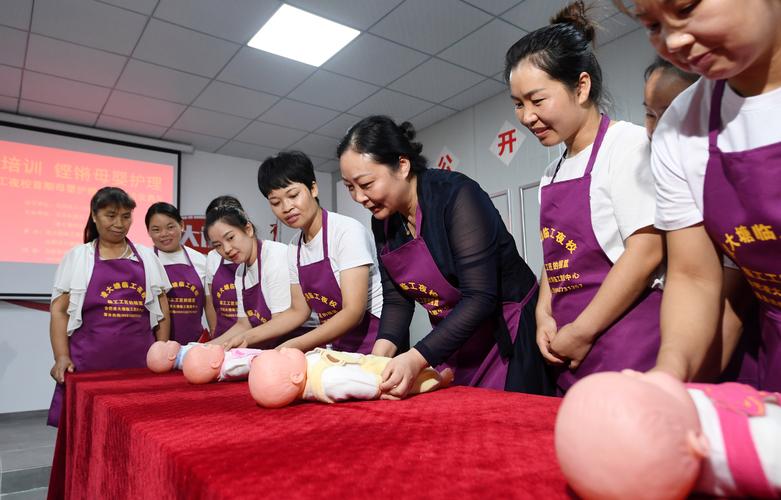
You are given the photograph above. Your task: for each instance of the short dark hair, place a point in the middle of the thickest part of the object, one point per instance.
(668, 67)
(284, 169)
(384, 142)
(563, 50)
(104, 197)
(163, 208)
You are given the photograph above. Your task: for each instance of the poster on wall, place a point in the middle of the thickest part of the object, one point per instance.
(447, 160)
(507, 142)
(193, 236)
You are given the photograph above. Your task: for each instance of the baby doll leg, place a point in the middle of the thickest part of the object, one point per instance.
(430, 380)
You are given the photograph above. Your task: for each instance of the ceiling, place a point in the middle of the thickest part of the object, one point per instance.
(180, 70)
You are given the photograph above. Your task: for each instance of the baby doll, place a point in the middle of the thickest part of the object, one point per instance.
(166, 355)
(633, 435)
(208, 363)
(278, 377)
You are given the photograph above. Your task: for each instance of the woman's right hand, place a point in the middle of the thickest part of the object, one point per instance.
(61, 365)
(237, 341)
(546, 330)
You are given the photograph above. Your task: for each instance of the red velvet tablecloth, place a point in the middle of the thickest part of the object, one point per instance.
(134, 434)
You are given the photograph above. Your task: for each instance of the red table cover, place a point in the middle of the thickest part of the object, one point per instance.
(135, 434)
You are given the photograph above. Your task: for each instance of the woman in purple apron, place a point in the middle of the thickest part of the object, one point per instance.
(100, 297)
(221, 277)
(260, 285)
(597, 312)
(186, 270)
(328, 245)
(717, 165)
(443, 245)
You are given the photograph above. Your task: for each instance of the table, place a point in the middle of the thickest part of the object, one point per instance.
(135, 434)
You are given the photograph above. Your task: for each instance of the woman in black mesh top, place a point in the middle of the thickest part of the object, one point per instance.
(443, 244)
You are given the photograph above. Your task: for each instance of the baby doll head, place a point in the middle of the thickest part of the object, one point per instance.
(202, 363)
(629, 435)
(277, 378)
(161, 355)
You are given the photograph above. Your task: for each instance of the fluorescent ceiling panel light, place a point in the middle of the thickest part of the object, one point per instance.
(301, 36)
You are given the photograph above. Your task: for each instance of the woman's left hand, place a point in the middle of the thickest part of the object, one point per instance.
(400, 374)
(572, 342)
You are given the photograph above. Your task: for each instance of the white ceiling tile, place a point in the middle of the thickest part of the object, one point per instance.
(236, 20)
(73, 61)
(533, 14)
(16, 13)
(58, 113)
(483, 51)
(183, 49)
(273, 136)
(54, 90)
(480, 92)
(431, 116)
(10, 78)
(203, 121)
(144, 109)
(372, 59)
(13, 43)
(334, 91)
(330, 166)
(235, 100)
(615, 27)
(265, 72)
(317, 145)
(203, 142)
(141, 6)
(436, 80)
(495, 7)
(88, 23)
(8, 104)
(358, 14)
(157, 81)
(249, 151)
(430, 25)
(298, 115)
(388, 102)
(338, 127)
(107, 122)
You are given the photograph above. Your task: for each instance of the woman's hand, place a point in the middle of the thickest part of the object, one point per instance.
(61, 365)
(546, 332)
(400, 374)
(572, 342)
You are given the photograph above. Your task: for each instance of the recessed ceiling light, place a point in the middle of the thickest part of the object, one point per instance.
(301, 36)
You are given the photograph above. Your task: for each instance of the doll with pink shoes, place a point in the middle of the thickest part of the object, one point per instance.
(279, 377)
(633, 435)
(201, 363)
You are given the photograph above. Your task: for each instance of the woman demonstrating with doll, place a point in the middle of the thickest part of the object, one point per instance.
(597, 310)
(108, 300)
(443, 244)
(186, 270)
(261, 282)
(332, 264)
(715, 161)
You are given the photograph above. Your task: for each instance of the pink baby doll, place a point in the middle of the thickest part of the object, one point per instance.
(166, 355)
(206, 363)
(278, 377)
(648, 436)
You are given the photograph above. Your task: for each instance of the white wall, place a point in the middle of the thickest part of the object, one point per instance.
(25, 351)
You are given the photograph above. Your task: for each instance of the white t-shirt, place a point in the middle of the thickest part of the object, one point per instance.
(715, 476)
(622, 190)
(75, 271)
(680, 145)
(198, 259)
(350, 244)
(274, 280)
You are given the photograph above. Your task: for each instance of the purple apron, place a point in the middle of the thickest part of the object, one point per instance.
(115, 331)
(576, 266)
(324, 296)
(224, 296)
(185, 301)
(478, 362)
(742, 213)
(254, 303)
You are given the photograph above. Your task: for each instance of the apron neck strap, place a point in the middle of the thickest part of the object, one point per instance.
(324, 230)
(714, 118)
(604, 123)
